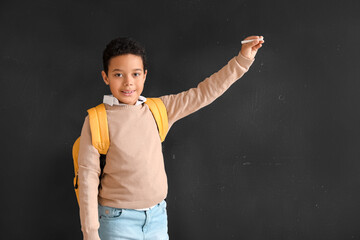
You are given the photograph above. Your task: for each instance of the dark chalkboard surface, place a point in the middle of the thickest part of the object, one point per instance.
(275, 157)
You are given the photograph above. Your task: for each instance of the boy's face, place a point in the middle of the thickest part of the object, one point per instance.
(126, 77)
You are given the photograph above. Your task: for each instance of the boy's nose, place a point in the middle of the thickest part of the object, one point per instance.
(128, 82)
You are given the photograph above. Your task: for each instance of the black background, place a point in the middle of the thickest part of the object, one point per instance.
(275, 157)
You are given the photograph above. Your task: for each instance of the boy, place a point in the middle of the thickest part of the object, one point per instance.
(130, 202)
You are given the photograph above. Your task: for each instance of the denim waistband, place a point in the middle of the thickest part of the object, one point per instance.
(113, 211)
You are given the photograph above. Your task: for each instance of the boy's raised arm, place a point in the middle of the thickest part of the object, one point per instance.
(187, 102)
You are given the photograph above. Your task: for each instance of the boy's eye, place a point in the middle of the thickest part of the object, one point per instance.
(118, 75)
(136, 74)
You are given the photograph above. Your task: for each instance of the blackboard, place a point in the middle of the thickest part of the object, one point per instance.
(275, 157)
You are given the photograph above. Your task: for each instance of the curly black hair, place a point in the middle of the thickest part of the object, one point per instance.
(121, 46)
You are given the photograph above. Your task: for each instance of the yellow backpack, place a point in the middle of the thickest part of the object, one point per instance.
(100, 133)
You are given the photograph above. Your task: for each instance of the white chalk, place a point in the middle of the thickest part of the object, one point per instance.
(251, 40)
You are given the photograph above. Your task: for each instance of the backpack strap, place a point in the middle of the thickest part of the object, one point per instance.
(99, 128)
(75, 153)
(158, 110)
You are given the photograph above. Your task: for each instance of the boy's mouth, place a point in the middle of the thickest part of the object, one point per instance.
(128, 93)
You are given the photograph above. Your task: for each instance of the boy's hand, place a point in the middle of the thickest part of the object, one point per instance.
(250, 49)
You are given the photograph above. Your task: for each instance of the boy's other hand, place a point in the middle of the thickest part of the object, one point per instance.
(250, 49)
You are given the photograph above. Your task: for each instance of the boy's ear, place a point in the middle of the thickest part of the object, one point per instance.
(145, 73)
(105, 78)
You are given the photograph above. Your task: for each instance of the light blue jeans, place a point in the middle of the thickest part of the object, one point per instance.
(129, 224)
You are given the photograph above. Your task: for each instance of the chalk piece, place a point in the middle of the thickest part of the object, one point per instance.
(250, 40)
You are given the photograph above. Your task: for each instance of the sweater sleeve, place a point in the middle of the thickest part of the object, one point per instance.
(89, 171)
(182, 104)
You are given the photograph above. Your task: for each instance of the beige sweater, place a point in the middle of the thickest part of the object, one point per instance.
(134, 174)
